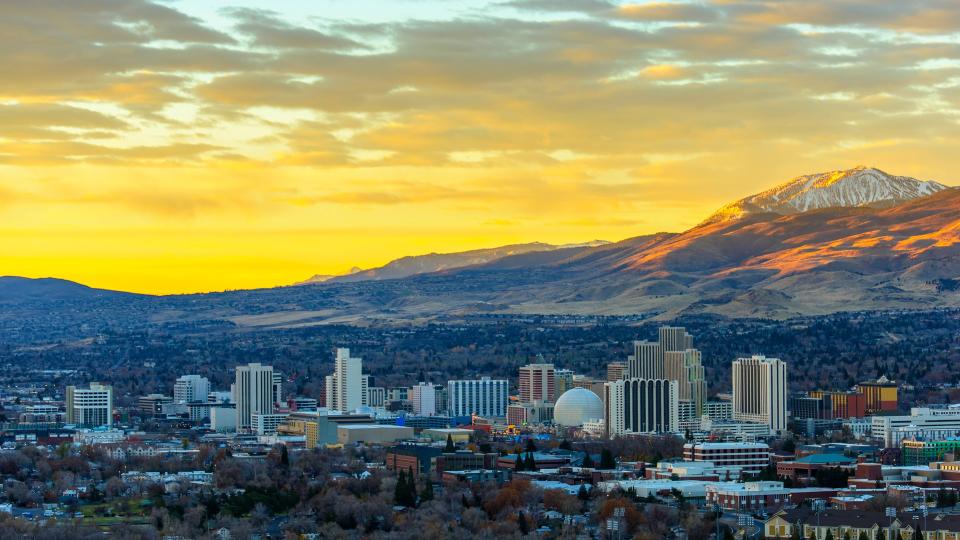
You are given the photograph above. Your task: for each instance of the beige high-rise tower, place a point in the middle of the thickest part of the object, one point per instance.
(760, 391)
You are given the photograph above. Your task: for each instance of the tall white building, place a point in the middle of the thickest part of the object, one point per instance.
(189, 388)
(641, 406)
(253, 393)
(760, 391)
(423, 399)
(277, 387)
(538, 383)
(484, 397)
(345, 386)
(90, 407)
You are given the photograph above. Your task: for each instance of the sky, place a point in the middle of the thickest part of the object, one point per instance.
(202, 145)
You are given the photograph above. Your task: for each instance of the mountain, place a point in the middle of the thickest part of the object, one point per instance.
(862, 245)
(14, 289)
(860, 186)
(435, 262)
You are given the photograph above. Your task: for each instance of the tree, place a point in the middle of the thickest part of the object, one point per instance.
(863, 536)
(284, 457)
(588, 462)
(606, 460)
(519, 464)
(531, 446)
(829, 535)
(583, 493)
(796, 532)
(450, 447)
(522, 522)
(728, 534)
(565, 445)
(426, 494)
(529, 463)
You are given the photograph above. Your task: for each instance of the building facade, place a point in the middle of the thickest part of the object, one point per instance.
(90, 407)
(640, 406)
(254, 392)
(482, 397)
(760, 391)
(344, 389)
(189, 388)
(537, 383)
(423, 399)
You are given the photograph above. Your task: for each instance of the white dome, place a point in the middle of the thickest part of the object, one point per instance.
(576, 406)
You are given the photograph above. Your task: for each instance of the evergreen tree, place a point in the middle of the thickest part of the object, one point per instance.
(530, 464)
(796, 533)
(846, 535)
(427, 493)
(400, 491)
(863, 536)
(583, 494)
(829, 535)
(284, 457)
(519, 464)
(450, 447)
(588, 461)
(411, 495)
(728, 534)
(531, 446)
(522, 522)
(565, 445)
(606, 460)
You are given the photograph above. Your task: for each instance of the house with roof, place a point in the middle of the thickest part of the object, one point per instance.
(874, 525)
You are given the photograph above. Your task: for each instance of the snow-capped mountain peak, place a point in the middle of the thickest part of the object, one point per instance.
(860, 186)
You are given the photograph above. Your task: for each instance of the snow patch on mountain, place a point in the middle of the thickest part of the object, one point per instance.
(860, 186)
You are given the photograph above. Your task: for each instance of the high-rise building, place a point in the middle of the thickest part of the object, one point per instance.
(484, 397)
(615, 371)
(376, 396)
(189, 388)
(685, 368)
(277, 387)
(151, 405)
(345, 386)
(646, 361)
(423, 399)
(563, 380)
(674, 338)
(254, 393)
(760, 391)
(640, 406)
(880, 395)
(90, 407)
(537, 383)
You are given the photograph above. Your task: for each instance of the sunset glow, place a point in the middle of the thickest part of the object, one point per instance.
(186, 146)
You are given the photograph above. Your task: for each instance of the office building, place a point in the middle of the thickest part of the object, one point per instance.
(423, 399)
(760, 391)
(880, 395)
(482, 397)
(189, 388)
(345, 386)
(522, 414)
(923, 423)
(719, 410)
(752, 457)
(537, 383)
(266, 424)
(151, 405)
(641, 406)
(254, 393)
(563, 380)
(376, 396)
(686, 368)
(615, 371)
(277, 387)
(90, 407)
(646, 361)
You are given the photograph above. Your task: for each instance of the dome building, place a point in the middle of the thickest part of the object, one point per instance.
(576, 406)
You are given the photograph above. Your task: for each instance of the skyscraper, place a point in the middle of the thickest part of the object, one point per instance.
(90, 407)
(345, 386)
(189, 388)
(685, 368)
(253, 392)
(616, 371)
(483, 397)
(537, 383)
(646, 361)
(640, 406)
(277, 387)
(423, 398)
(760, 391)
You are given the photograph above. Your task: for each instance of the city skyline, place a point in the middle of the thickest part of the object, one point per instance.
(190, 146)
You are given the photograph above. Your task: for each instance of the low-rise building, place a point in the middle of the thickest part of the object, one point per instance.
(372, 433)
(752, 457)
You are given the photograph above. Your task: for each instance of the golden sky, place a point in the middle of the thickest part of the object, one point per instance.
(202, 145)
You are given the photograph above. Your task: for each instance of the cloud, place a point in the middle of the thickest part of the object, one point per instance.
(668, 11)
